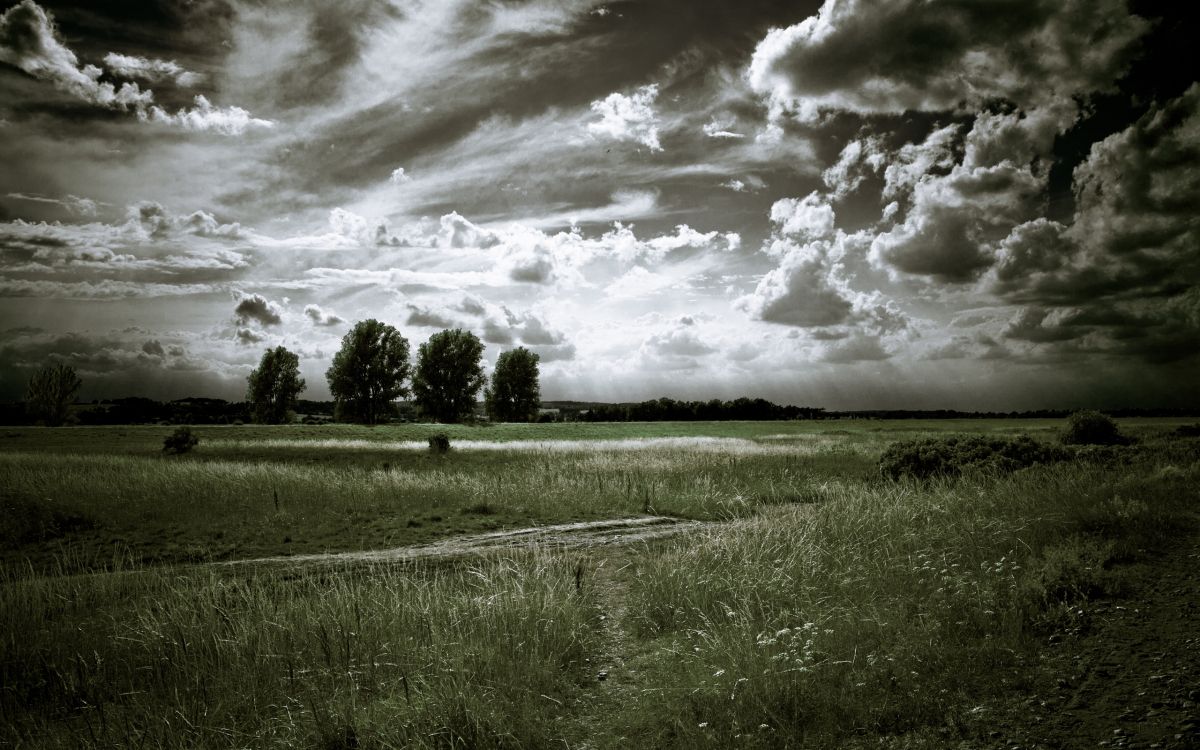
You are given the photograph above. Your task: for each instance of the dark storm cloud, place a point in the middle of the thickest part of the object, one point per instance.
(1155, 332)
(258, 308)
(882, 56)
(963, 190)
(1134, 231)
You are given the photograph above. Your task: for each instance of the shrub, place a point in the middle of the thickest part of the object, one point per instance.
(1092, 428)
(1188, 430)
(950, 457)
(439, 443)
(181, 440)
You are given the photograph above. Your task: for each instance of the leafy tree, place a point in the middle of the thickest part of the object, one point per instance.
(51, 391)
(514, 395)
(449, 375)
(368, 372)
(273, 387)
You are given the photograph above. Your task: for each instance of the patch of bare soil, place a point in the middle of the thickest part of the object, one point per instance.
(584, 534)
(1127, 675)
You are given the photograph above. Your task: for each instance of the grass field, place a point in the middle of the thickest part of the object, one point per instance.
(823, 605)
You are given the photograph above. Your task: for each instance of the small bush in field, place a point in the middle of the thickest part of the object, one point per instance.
(1092, 428)
(1188, 430)
(181, 440)
(439, 443)
(950, 457)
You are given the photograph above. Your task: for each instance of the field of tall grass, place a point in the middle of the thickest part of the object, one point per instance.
(824, 606)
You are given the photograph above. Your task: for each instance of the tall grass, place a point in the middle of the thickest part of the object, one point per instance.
(185, 508)
(409, 658)
(832, 607)
(887, 608)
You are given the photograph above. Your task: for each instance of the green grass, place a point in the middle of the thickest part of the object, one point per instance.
(830, 606)
(78, 498)
(887, 608)
(206, 660)
(140, 440)
(84, 503)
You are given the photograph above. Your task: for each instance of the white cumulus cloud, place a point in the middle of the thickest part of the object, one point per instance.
(628, 118)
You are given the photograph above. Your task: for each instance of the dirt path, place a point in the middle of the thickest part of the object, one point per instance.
(584, 534)
(1127, 677)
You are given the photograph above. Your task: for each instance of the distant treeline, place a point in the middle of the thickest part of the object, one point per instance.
(670, 410)
(192, 410)
(137, 410)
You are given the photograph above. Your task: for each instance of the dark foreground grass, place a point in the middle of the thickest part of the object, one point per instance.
(889, 609)
(441, 658)
(874, 612)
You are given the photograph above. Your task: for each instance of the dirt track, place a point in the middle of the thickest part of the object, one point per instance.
(558, 536)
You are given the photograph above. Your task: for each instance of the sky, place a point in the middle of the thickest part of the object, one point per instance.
(848, 204)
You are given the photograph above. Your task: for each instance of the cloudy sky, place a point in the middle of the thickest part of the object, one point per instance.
(854, 204)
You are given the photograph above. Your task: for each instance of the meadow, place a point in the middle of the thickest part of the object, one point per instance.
(819, 604)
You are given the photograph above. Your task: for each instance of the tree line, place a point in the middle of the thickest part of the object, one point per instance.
(670, 410)
(371, 372)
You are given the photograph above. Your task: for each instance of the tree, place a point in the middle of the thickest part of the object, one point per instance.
(273, 387)
(368, 372)
(51, 391)
(514, 395)
(449, 375)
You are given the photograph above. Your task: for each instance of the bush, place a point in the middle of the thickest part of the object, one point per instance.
(1092, 428)
(439, 443)
(1188, 430)
(181, 440)
(950, 457)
